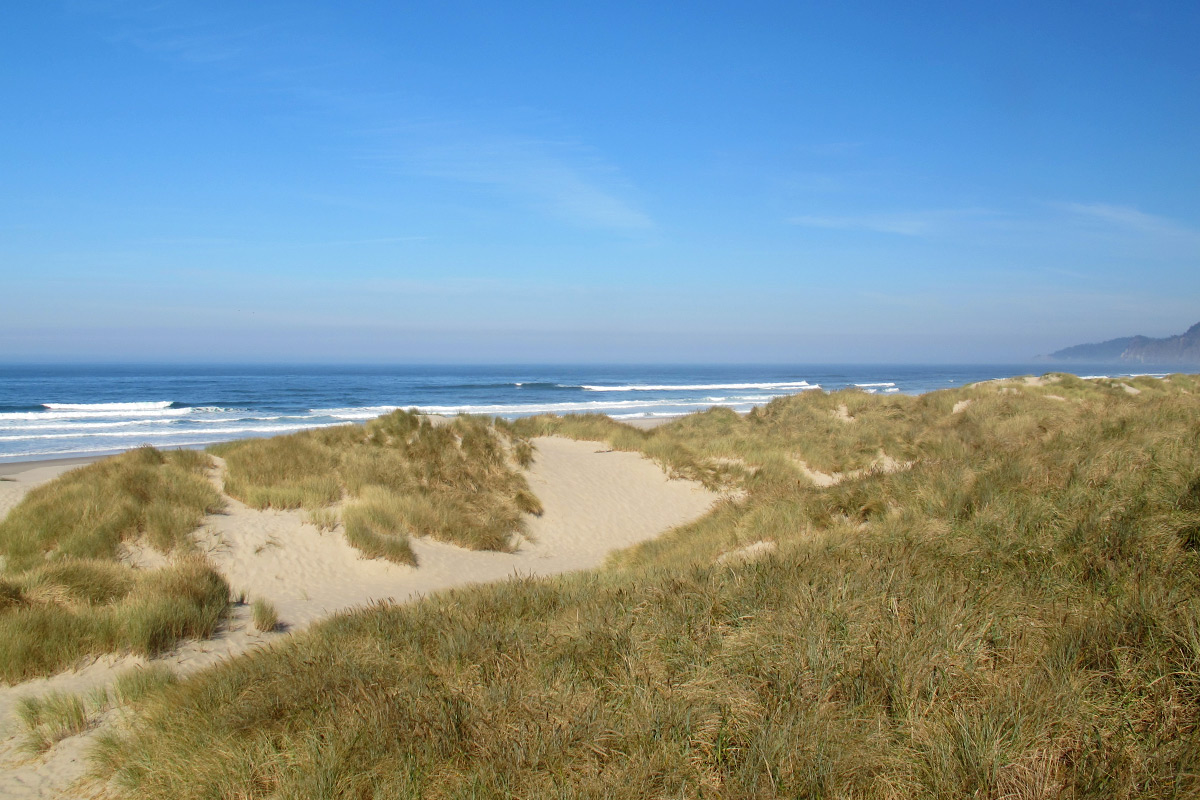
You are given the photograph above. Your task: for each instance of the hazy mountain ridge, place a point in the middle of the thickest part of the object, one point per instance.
(1181, 349)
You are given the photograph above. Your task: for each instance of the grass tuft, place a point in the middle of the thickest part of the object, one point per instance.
(64, 617)
(377, 524)
(324, 519)
(136, 684)
(63, 593)
(266, 618)
(49, 719)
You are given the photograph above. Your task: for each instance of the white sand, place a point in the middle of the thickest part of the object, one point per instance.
(17, 479)
(748, 553)
(596, 501)
(881, 463)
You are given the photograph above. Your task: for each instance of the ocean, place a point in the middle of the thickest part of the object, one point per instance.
(56, 411)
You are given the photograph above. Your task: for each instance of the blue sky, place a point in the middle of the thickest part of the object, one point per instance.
(794, 182)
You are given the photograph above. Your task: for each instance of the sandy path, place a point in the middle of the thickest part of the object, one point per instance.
(596, 501)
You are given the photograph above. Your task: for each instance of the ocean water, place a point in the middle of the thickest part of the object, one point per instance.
(61, 411)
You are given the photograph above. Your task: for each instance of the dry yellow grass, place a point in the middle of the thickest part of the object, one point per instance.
(402, 475)
(64, 595)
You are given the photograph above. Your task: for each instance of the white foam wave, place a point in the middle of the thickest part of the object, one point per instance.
(153, 435)
(73, 426)
(33, 455)
(51, 415)
(595, 406)
(697, 387)
(107, 406)
(227, 420)
(361, 413)
(585, 406)
(864, 385)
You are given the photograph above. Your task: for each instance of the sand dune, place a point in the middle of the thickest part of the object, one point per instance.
(596, 501)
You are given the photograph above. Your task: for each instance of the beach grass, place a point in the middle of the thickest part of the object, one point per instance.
(377, 525)
(1008, 608)
(50, 718)
(64, 594)
(59, 618)
(401, 475)
(88, 512)
(266, 618)
(135, 684)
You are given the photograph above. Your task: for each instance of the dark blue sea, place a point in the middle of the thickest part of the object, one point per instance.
(58, 411)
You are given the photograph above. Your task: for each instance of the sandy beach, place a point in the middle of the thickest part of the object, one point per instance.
(595, 500)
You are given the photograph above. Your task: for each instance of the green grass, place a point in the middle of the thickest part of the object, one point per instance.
(1015, 615)
(136, 684)
(266, 618)
(323, 519)
(56, 624)
(377, 525)
(54, 716)
(459, 482)
(89, 511)
(50, 718)
(63, 593)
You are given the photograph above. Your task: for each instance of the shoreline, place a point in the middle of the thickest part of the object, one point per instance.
(9, 468)
(65, 413)
(17, 465)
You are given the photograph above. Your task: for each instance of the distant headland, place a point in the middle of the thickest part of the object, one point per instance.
(1181, 349)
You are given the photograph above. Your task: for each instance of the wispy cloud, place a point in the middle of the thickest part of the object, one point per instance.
(1128, 219)
(1062, 225)
(191, 46)
(560, 179)
(907, 223)
(565, 180)
(177, 31)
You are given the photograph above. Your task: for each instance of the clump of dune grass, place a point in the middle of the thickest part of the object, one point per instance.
(138, 683)
(50, 718)
(63, 593)
(295, 471)
(377, 524)
(402, 475)
(89, 511)
(266, 618)
(54, 716)
(323, 519)
(86, 607)
(1015, 614)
